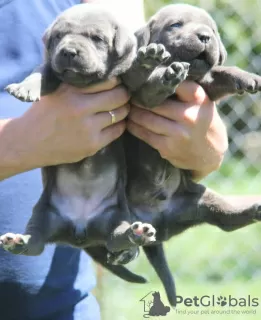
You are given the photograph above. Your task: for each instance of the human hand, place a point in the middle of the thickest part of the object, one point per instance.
(189, 133)
(73, 123)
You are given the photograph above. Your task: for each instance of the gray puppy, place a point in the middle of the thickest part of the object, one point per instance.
(83, 204)
(179, 42)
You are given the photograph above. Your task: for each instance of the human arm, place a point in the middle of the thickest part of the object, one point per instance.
(63, 127)
(189, 133)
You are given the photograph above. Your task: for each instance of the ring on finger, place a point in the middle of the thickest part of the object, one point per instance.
(113, 117)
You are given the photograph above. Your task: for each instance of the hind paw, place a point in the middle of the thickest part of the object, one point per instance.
(14, 243)
(142, 233)
(153, 55)
(123, 257)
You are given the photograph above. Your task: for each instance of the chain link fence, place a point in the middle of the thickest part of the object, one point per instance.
(206, 257)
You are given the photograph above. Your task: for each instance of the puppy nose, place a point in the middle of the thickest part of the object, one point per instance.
(69, 52)
(203, 37)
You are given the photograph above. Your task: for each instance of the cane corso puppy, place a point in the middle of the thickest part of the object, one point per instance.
(179, 42)
(83, 204)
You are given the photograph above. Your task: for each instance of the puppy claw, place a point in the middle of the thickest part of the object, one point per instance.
(142, 233)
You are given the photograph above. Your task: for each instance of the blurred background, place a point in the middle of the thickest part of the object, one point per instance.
(205, 260)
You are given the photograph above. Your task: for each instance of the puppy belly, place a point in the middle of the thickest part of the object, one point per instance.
(78, 197)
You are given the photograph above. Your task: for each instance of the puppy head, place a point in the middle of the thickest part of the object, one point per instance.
(86, 44)
(188, 33)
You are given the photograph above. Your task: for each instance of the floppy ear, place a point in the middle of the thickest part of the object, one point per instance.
(123, 41)
(143, 35)
(222, 52)
(124, 44)
(46, 36)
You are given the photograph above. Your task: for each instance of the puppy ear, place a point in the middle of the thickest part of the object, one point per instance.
(123, 41)
(222, 52)
(124, 44)
(46, 36)
(143, 35)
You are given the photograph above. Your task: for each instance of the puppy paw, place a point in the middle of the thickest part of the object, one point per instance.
(153, 55)
(123, 257)
(256, 208)
(142, 233)
(24, 91)
(250, 83)
(14, 243)
(175, 73)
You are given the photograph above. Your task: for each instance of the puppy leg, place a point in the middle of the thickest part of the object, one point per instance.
(216, 210)
(99, 254)
(39, 83)
(202, 205)
(42, 225)
(222, 81)
(148, 58)
(161, 84)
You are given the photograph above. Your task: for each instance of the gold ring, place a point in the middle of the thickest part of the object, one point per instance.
(113, 117)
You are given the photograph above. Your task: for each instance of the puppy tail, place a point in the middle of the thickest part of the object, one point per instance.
(156, 257)
(99, 254)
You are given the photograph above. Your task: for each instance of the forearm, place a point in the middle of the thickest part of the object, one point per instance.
(15, 153)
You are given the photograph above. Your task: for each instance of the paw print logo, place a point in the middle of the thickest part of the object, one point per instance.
(222, 301)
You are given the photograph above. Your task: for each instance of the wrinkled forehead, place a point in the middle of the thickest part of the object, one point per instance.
(82, 19)
(183, 13)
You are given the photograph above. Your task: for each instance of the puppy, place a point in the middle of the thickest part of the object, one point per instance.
(83, 204)
(179, 42)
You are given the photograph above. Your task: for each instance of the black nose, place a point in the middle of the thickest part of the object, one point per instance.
(203, 37)
(69, 52)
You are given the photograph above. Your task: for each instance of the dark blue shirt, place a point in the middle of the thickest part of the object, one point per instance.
(53, 285)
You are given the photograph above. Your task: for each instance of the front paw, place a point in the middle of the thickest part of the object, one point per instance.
(153, 55)
(175, 73)
(14, 243)
(248, 82)
(142, 233)
(26, 92)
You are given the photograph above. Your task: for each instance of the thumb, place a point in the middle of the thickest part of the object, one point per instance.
(189, 91)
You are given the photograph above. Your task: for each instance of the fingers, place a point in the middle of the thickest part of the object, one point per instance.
(105, 119)
(172, 110)
(152, 122)
(189, 91)
(106, 100)
(111, 133)
(103, 86)
(153, 139)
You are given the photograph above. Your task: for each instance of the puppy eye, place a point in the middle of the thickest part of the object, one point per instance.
(96, 39)
(58, 36)
(176, 25)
